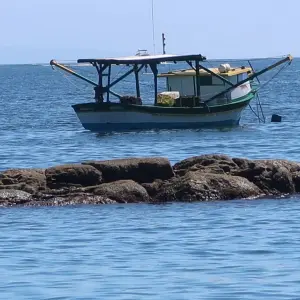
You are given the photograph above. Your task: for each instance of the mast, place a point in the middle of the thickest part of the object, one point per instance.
(153, 28)
(163, 43)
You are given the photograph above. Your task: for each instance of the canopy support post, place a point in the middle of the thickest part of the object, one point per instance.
(197, 78)
(155, 72)
(99, 88)
(108, 82)
(137, 83)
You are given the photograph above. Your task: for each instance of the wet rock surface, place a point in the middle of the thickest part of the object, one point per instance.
(136, 169)
(29, 180)
(72, 175)
(123, 191)
(199, 186)
(149, 180)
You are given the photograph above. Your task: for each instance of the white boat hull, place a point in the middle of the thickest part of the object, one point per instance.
(133, 120)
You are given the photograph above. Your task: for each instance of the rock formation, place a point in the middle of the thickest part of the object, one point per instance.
(149, 180)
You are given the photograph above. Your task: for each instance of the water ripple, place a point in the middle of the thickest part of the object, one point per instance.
(39, 127)
(220, 250)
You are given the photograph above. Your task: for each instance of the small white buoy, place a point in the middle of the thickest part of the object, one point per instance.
(224, 68)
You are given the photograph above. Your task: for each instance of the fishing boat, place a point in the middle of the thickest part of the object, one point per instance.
(194, 97)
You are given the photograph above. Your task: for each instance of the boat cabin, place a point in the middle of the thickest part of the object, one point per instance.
(184, 81)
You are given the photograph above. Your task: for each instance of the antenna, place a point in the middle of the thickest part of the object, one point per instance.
(163, 43)
(153, 29)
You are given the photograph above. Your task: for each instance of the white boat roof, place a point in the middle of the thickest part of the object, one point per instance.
(143, 59)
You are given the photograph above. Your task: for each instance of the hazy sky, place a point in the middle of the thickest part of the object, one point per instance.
(38, 30)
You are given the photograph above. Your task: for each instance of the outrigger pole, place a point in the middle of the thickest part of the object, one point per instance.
(96, 85)
(54, 63)
(289, 58)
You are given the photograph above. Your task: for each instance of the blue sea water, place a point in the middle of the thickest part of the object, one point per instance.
(220, 250)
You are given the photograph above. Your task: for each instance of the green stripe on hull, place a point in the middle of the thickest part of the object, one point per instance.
(113, 107)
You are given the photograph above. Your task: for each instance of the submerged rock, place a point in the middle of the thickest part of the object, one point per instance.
(71, 199)
(10, 197)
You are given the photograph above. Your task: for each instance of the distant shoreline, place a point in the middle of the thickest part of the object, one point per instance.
(208, 60)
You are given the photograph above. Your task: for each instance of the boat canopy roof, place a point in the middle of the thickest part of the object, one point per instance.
(154, 59)
(191, 72)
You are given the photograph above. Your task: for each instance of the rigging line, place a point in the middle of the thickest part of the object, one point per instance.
(249, 62)
(258, 103)
(276, 74)
(153, 28)
(66, 76)
(254, 113)
(260, 120)
(257, 107)
(117, 74)
(261, 109)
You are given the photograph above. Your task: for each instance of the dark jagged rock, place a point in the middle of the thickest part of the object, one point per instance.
(154, 187)
(199, 186)
(271, 176)
(149, 180)
(123, 191)
(214, 163)
(138, 169)
(28, 180)
(72, 175)
(204, 160)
